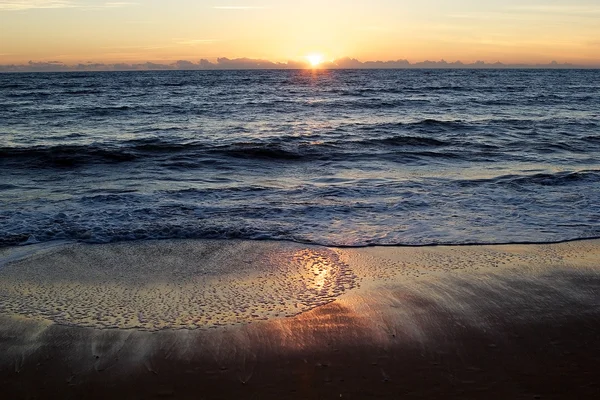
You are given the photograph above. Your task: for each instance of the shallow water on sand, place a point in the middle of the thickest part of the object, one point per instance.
(172, 284)
(200, 284)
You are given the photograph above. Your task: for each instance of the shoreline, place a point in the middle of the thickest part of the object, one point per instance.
(62, 242)
(500, 321)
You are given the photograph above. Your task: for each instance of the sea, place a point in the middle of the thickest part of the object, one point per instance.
(330, 157)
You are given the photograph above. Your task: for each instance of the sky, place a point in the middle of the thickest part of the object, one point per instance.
(164, 31)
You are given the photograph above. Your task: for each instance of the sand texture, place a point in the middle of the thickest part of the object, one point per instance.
(260, 319)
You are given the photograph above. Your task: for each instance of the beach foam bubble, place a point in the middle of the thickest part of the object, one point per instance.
(173, 284)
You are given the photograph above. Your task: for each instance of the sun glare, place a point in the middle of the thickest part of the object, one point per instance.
(314, 59)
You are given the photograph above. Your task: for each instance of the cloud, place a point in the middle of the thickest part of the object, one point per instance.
(246, 63)
(526, 12)
(22, 5)
(117, 4)
(239, 8)
(110, 4)
(225, 63)
(49, 66)
(187, 65)
(16, 5)
(133, 47)
(352, 63)
(560, 9)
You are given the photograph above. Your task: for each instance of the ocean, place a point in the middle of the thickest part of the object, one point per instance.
(339, 158)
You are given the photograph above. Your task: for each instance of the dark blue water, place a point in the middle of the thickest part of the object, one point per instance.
(330, 157)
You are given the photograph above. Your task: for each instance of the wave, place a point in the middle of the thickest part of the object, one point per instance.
(12, 85)
(8, 186)
(408, 125)
(425, 139)
(75, 156)
(591, 139)
(406, 141)
(281, 148)
(64, 156)
(177, 84)
(374, 211)
(253, 151)
(31, 94)
(557, 179)
(177, 232)
(395, 148)
(80, 91)
(563, 178)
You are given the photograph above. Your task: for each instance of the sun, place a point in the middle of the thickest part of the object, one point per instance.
(315, 59)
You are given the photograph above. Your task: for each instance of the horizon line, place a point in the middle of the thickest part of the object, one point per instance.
(224, 63)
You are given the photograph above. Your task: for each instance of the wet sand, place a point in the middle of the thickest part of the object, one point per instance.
(243, 319)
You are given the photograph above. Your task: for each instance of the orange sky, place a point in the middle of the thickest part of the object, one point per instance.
(510, 31)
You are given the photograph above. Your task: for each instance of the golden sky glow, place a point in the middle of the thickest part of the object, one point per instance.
(510, 31)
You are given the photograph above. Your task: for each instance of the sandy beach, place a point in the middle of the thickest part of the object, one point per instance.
(263, 319)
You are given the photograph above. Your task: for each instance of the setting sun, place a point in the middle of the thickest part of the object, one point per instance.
(314, 59)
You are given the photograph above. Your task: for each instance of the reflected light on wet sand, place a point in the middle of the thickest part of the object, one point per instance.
(174, 284)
